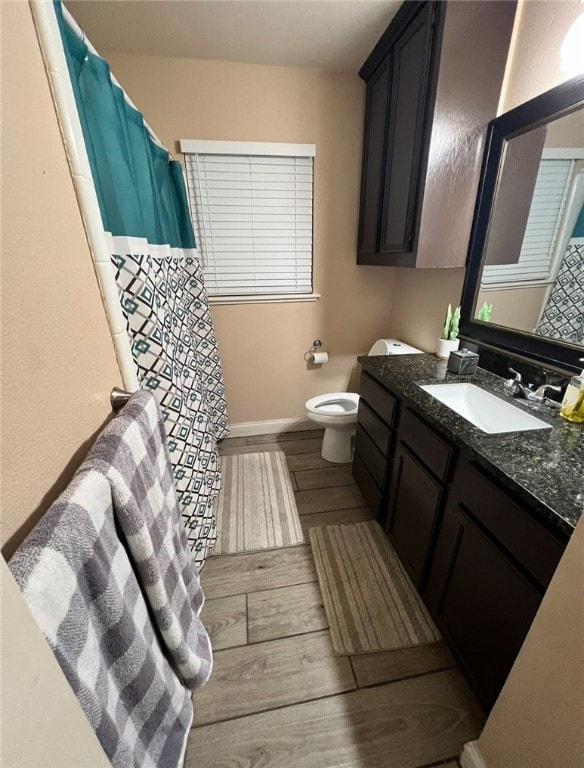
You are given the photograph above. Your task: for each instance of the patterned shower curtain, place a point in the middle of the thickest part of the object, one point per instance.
(563, 315)
(144, 210)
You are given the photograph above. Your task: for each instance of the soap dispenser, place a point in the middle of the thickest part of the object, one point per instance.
(572, 408)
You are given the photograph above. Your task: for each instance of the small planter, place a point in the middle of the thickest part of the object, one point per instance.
(445, 347)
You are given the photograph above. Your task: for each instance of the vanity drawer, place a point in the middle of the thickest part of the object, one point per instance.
(370, 455)
(530, 544)
(425, 443)
(366, 485)
(378, 399)
(377, 430)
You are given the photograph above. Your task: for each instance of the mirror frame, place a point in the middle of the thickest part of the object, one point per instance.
(542, 109)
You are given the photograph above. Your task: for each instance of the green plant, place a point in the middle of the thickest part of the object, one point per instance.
(485, 313)
(451, 322)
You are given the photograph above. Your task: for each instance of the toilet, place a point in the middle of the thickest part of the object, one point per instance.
(337, 411)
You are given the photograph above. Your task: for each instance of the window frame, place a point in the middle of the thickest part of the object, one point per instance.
(263, 149)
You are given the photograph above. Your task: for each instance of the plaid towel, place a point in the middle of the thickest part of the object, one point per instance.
(109, 577)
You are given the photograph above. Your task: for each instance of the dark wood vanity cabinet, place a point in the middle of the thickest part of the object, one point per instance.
(400, 77)
(416, 503)
(490, 567)
(416, 494)
(374, 441)
(477, 556)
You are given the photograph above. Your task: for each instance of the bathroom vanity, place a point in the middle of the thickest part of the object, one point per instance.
(478, 520)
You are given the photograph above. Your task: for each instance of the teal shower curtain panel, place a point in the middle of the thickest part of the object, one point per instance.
(145, 215)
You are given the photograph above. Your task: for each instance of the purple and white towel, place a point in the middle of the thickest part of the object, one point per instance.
(109, 577)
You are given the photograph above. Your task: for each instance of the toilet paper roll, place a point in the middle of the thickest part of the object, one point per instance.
(318, 358)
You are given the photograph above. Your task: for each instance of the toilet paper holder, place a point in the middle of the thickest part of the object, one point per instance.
(316, 344)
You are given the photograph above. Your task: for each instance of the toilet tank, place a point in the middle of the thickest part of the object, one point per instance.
(393, 347)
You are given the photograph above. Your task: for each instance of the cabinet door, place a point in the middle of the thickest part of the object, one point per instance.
(415, 504)
(482, 603)
(376, 102)
(409, 113)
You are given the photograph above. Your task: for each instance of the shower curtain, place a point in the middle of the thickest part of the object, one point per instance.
(563, 315)
(144, 211)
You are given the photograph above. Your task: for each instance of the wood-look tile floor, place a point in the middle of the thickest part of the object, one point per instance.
(278, 696)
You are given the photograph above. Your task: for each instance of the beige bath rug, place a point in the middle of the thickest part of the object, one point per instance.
(256, 508)
(370, 601)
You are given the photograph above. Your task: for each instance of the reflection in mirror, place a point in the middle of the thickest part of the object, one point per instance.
(532, 277)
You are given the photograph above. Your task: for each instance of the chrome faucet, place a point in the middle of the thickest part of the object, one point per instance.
(517, 388)
(541, 391)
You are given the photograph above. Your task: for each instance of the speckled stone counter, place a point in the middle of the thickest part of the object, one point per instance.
(545, 467)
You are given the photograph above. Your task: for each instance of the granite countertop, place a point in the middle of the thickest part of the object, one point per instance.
(545, 466)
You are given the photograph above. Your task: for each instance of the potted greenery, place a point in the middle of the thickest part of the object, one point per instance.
(449, 340)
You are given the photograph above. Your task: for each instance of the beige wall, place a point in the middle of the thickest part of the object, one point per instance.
(58, 363)
(57, 368)
(534, 64)
(567, 131)
(262, 345)
(421, 297)
(516, 307)
(533, 67)
(538, 719)
(467, 94)
(42, 723)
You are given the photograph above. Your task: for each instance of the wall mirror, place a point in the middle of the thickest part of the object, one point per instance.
(524, 285)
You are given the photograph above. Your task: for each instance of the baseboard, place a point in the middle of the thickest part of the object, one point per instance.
(247, 429)
(471, 756)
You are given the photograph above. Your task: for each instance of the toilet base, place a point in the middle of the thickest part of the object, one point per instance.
(337, 445)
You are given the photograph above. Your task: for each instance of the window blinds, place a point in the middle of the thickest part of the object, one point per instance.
(252, 215)
(545, 216)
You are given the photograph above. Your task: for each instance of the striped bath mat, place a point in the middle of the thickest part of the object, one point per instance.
(256, 508)
(369, 600)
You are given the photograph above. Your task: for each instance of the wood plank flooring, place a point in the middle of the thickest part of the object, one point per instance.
(278, 696)
(239, 574)
(285, 611)
(226, 621)
(407, 724)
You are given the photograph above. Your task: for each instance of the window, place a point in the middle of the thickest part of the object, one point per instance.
(535, 264)
(251, 207)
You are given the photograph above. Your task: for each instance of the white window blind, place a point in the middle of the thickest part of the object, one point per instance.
(545, 216)
(252, 215)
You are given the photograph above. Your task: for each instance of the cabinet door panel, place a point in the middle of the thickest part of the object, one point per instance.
(481, 602)
(366, 485)
(371, 456)
(374, 427)
(435, 452)
(415, 507)
(535, 548)
(409, 90)
(378, 399)
(373, 158)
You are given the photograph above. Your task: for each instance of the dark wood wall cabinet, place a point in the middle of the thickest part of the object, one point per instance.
(475, 553)
(401, 79)
(419, 182)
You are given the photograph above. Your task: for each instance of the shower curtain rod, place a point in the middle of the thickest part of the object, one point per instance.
(76, 29)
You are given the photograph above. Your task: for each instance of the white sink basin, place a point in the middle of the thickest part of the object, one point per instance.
(486, 411)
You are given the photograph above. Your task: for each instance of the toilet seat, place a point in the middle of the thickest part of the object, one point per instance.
(339, 406)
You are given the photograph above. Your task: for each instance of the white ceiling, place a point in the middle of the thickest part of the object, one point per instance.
(335, 35)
